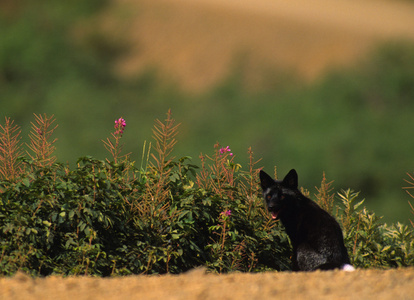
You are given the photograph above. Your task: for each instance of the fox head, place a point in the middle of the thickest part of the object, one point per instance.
(276, 193)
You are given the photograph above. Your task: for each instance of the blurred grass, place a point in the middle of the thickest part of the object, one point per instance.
(355, 125)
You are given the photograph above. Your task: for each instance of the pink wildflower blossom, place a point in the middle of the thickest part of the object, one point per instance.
(224, 150)
(120, 126)
(226, 213)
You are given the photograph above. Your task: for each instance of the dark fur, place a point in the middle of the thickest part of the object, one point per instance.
(315, 235)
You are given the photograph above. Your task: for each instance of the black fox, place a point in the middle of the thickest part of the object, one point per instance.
(315, 235)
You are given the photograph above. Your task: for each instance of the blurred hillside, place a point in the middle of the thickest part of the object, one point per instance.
(327, 86)
(196, 43)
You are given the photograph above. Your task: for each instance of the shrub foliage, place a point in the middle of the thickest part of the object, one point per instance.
(110, 217)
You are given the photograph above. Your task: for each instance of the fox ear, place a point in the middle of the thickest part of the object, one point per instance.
(291, 179)
(265, 180)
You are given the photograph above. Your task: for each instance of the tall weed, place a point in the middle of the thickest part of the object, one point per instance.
(41, 145)
(10, 151)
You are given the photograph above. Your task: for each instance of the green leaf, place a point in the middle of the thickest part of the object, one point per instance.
(47, 223)
(359, 204)
(26, 182)
(82, 226)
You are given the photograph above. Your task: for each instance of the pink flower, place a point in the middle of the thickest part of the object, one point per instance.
(224, 150)
(120, 126)
(121, 122)
(226, 213)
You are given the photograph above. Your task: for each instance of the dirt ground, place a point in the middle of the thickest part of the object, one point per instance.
(196, 44)
(196, 284)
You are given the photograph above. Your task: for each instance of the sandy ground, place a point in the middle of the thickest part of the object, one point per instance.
(361, 284)
(197, 43)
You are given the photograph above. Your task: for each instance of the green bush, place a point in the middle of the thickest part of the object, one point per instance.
(167, 216)
(372, 243)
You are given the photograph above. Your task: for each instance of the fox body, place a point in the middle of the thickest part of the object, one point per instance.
(315, 235)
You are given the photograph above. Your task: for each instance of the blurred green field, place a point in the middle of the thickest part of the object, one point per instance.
(355, 125)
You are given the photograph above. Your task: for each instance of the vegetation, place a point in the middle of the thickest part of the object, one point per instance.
(109, 217)
(113, 216)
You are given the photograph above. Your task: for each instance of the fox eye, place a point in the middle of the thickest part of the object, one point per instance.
(268, 197)
(282, 197)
